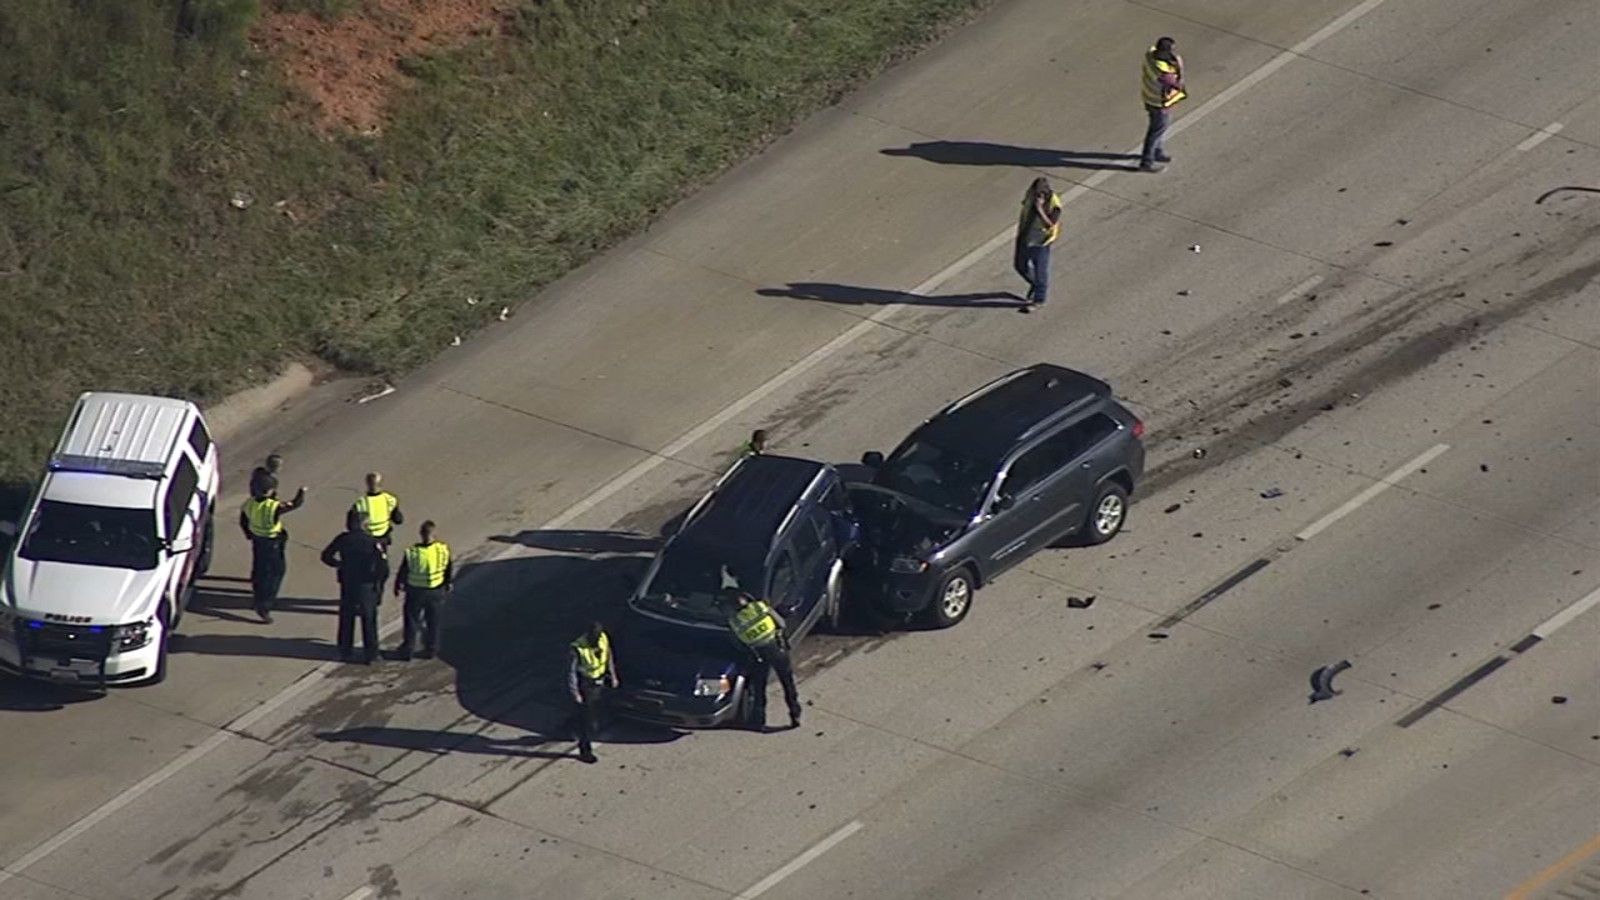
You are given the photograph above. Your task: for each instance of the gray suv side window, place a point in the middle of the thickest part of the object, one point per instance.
(1093, 430)
(1038, 464)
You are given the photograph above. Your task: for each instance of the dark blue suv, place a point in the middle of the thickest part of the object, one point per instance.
(774, 526)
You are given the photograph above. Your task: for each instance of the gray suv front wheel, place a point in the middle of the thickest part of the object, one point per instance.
(952, 598)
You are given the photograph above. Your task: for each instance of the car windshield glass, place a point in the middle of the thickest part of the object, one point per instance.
(687, 586)
(92, 536)
(937, 476)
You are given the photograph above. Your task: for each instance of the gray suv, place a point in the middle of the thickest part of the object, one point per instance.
(993, 478)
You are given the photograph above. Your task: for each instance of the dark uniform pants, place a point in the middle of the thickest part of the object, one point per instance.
(359, 601)
(774, 659)
(268, 563)
(591, 703)
(422, 619)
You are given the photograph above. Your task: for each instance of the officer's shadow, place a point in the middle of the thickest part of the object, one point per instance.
(507, 634)
(447, 741)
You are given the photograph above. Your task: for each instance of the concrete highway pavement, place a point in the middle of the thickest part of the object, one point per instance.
(1450, 310)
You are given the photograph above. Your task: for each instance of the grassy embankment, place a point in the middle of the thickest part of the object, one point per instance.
(128, 126)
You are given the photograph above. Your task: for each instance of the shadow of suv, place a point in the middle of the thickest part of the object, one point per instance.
(775, 526)
(993, 478)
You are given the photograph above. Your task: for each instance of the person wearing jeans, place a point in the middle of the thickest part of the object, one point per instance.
(1161, 89)
(1038, 227)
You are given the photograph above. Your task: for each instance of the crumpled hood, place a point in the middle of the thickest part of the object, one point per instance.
(90, 595)
(664, 657)
(894, 523)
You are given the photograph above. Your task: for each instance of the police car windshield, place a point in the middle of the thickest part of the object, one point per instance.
(686, 586)
(86, 535)
(937, 476)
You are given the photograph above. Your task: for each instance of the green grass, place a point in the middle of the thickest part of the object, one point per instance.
(126, 129)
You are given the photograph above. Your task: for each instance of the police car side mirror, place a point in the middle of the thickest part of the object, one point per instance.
(872, 459)
(180, 545)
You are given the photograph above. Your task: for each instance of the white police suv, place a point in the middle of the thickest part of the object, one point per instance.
(105, 559)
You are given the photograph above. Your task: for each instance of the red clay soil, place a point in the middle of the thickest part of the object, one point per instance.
(349, 67)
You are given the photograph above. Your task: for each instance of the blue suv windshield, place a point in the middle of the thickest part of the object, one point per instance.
(687, 585)
(938, 476)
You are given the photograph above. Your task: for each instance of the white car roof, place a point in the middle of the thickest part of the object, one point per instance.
(95, 489)
(122, 434)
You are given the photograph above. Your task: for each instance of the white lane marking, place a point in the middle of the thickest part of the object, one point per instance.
(1300, 289)
(1383, 484)
(154, 779)
(826, 844)
(617, 484)
(1276, 63)
(111, 806)
(360, 893)
(1567, 615)
(1540, 136)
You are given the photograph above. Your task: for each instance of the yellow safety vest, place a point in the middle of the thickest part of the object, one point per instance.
(1154, 92)
(425, 564)
(1051, 231)
(594, 660)
(754, 624)
(376, 510)
(263, 516)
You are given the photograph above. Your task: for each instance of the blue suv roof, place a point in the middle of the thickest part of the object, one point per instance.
(745, 511)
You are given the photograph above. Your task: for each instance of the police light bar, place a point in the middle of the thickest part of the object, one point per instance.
(69, 462)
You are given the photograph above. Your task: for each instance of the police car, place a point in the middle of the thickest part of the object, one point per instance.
(116, 534)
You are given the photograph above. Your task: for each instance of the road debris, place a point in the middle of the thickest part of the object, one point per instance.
(1483, 467)
(1183, 293)
(1081, 602)
(1173, 508)
(1271, 493)
(1558, 699)
(1384, 244)
(374, 392)
(1322, 681)
(1194, 248)
(1199, 453)
(1349, 752)
(1158, 635)
(505, 313)
(455, 341)
(1551, 193)
(242, 200)
(472, 301)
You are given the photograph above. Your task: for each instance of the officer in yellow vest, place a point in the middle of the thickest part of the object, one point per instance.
(1161, 88)
(1038, 227)
(427, 575)
(762, 630)
(379, 510)
(756, 445)
(261, 520)
(592, 672)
